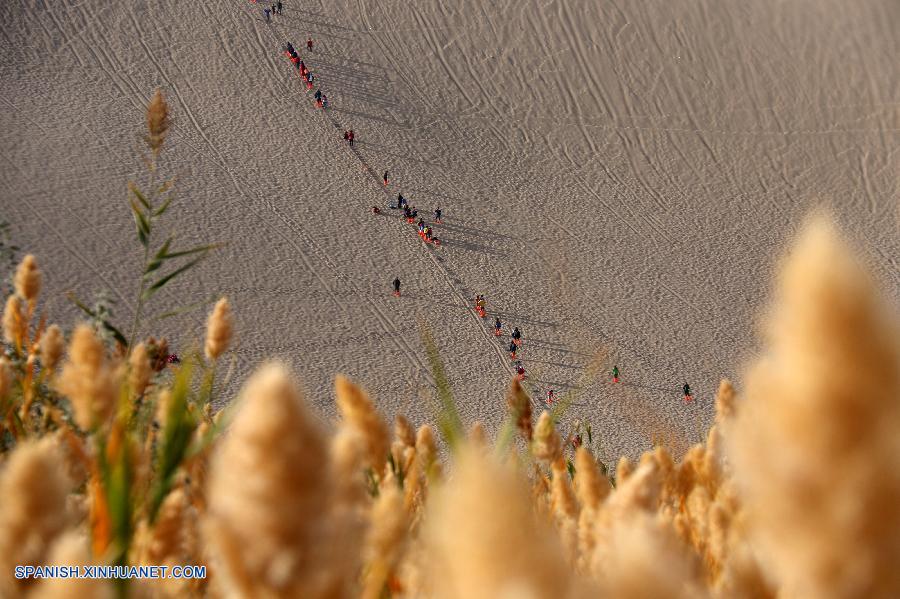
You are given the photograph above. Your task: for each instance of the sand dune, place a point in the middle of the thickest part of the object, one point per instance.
(615, 177)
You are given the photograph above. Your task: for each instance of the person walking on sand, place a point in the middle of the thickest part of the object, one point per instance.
(520, 370)
(350, 137)
(309, 44)
(498, 326)
(401, 201)
(437, 215)
(318, 96)
(512, 350)
(516, 336)
(266, 11)
(550, 397)
(324, 101)
(280, 7)
(687, 393)
(397, 287)
(615, 374)
(385, 178)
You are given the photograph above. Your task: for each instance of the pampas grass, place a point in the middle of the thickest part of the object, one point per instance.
(385, 541)
(519, 405)
(71, 549)
(816, 446)
(485, 541)
(267, 493)
(140, 371)
(27, 281)
(359, 414)
(14, 321)
(546, 446)
(88, 379)
(33, 512)
(157, 122)
(52, 347)
(218, 330)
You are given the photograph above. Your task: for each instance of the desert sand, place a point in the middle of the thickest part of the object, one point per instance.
(618, 178)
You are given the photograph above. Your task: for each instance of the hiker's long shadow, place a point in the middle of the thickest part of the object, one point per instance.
(555, 348)
(319, 22)
(473, 231)
(518, 318)
(352, 73)
(296, 9)
(651, 387)
(560, 364)
(348, 60)
(437, 194)
(471, 247)
(363, 115)
(383, 151)
(290, 29)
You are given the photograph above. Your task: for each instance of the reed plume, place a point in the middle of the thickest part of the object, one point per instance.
(157, 122)
(268, 494)
(483, 538)
(546, 445)
(166, 539)
(591, 488)
(726, 400)
(641, 558)
(565, 508)
(52, 347)
(426, 449)
(359, 413)
(519, 405)
(403, 447)
(624, 469)
(404, 432)
(477, 435)
(218, 330)
(424, 467)
(385, 541)
(27, 281)
(816, 449)
(88, 380)
(71, 549)
(33, 488)
(14, 324)
(140, 371)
